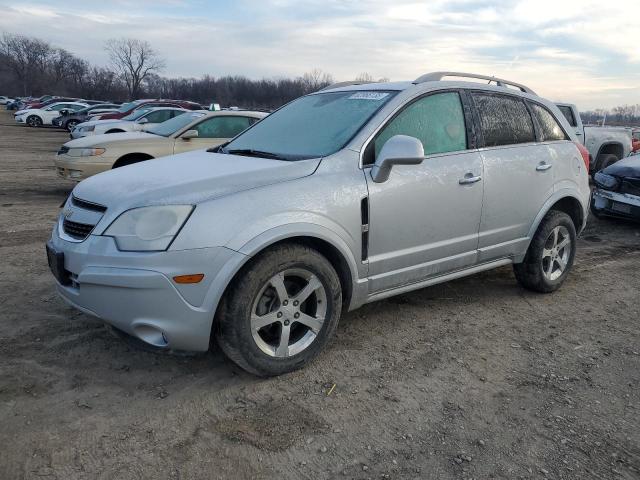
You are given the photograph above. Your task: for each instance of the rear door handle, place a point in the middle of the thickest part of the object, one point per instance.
(469, 178)
(543, 166)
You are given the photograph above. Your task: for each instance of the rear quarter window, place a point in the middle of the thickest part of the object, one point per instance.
(550, 129)
(504, 120)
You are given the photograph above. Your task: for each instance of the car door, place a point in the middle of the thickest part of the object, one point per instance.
(213, 131)
(423, 221)
(49, 113)
(518, 174)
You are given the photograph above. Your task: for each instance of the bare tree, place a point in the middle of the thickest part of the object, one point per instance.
(364, 78)
(135, 60)
(27, 57)
(315, 80)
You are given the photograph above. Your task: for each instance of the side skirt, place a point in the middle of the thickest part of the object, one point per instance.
(439, 279)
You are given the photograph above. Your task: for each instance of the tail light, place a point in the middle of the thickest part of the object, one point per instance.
(586, 157)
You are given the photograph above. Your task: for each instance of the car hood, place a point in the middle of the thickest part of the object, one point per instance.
(188, 178)
(626, 168)
(104, 140)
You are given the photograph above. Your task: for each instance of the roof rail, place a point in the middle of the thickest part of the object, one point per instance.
(344, 84)
(438, 76)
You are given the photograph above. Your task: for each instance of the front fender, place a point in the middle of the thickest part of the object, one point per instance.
(333, 236)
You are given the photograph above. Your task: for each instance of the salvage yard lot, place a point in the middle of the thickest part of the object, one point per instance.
(476, 378)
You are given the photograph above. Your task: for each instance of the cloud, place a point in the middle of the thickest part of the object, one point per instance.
(583, 51)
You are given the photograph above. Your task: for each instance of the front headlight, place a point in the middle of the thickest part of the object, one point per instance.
(85, 152)
(148, 228)
(608, 182)
(90, 128)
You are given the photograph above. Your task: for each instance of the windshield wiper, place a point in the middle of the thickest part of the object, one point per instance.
(248, 152)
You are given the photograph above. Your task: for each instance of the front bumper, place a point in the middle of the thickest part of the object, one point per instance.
(79, 168)
(624, 205)
(134, 291)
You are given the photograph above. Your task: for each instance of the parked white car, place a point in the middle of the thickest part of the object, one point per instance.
(4, 100)
(606, 145)
(137, 121)
(38, 117)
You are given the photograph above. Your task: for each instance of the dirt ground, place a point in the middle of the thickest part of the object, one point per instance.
(476, 378)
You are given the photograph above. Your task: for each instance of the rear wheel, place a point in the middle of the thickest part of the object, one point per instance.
(550, 255)
(34, 121)
(280, 311)
(604, 160)
(71, 124)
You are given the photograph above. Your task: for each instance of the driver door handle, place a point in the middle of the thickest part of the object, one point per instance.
(469, 178)
(543, 166)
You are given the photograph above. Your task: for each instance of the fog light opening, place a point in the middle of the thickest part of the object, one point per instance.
(151, 335)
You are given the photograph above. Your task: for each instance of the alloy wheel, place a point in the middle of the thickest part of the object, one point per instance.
(556, 253)
(288, 312)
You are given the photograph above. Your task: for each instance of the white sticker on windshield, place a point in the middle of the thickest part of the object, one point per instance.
(368, 96)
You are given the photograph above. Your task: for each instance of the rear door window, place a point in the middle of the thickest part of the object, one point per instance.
(550, 129)
(504, 120)
(222, 127)
(436, 120)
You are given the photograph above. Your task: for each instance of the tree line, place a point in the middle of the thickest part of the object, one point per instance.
(31, 67)
(625, 115)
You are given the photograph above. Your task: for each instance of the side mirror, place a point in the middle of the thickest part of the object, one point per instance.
(189, 134)
(398, 150)
(143, 120)
(64, 111)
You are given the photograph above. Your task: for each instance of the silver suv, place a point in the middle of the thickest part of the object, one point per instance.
(340, 198)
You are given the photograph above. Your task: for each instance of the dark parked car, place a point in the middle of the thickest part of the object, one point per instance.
(71, 119)
(129, 107)
(617, 191)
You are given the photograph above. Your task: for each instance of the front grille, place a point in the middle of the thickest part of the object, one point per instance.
(63, 149)
(95, 207)
(76, 230)
(630, 186)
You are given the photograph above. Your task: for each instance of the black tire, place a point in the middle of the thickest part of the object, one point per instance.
(70, 125)
(604, 160)
(34, 121)
(233, 324)
(531, 272)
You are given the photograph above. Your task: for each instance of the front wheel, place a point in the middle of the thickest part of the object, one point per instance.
(71, 124)
(34, 121)
(280, 311)
(550, 255)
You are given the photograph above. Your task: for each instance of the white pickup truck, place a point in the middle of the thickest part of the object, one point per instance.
(606, 145)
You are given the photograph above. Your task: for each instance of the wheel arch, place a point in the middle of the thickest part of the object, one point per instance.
(565, 201)
(129, 158)
(615, 148)
(115, 130)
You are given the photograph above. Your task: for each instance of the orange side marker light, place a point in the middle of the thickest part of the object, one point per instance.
(192, 278)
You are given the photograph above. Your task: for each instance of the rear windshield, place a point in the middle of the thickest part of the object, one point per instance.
(176, 123)
(125, 107)
(312, 126)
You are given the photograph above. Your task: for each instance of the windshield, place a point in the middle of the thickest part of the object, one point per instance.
(312, 126)
(176, 123)
(136, 114)
(125, 107)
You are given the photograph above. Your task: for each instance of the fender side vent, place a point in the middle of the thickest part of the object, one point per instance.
(364, 215)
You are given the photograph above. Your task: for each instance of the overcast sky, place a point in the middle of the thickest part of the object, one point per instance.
(583, 51)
